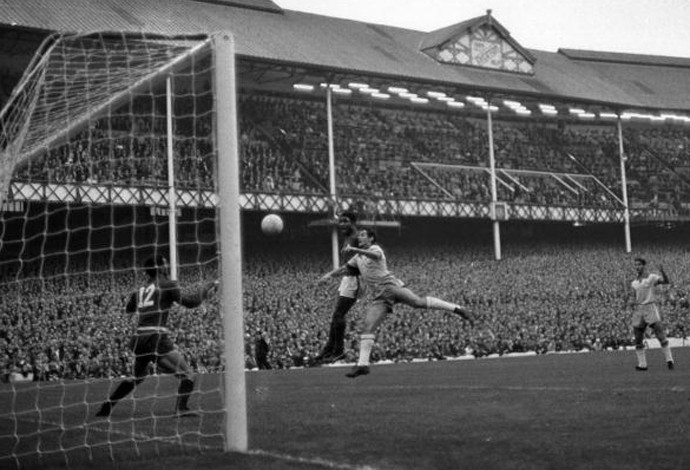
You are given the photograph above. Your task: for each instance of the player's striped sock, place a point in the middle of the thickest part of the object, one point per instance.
(641, 357)
(667, 353)
(366, 342)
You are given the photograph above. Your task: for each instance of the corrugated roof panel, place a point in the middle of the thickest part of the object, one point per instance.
(622, 58)
(332, 43)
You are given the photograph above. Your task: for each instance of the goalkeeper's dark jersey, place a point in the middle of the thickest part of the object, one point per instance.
(152, 303)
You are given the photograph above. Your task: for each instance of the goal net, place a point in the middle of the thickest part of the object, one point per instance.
(109, 156)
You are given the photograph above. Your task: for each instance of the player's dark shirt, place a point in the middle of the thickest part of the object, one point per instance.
(152, 302)
(351, 240)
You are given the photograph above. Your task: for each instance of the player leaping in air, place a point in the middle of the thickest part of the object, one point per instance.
(386, 290)
(151, 343)
(348, 293)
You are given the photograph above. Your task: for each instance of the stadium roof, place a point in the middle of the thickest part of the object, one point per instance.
(265, 32)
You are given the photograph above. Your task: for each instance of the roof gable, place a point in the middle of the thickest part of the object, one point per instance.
(480, 42)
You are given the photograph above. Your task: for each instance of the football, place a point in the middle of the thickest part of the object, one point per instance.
(272, 224)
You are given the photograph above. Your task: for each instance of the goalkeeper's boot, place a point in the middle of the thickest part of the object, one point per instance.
(357, 371)
(184, 391)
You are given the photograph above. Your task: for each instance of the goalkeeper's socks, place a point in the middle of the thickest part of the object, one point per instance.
(105, 410)
(122, 391)
(183, 393)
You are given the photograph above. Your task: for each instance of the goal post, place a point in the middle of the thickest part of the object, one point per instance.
(230, 234)
(119, 146)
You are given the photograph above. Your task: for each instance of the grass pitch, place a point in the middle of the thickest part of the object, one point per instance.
(570, 411)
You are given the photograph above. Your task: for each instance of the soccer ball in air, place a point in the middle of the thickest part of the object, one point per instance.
(272, 224)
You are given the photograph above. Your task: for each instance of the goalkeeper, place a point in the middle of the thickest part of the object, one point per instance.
(151, 343)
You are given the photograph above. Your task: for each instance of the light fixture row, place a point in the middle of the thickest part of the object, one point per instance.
(515, 106)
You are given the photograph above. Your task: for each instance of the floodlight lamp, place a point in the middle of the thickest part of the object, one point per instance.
(357, 85)
(303, 87)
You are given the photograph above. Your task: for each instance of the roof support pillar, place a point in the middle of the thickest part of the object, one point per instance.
(624, 186)
(494, 195)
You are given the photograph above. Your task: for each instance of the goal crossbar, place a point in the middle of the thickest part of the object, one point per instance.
(75, 124)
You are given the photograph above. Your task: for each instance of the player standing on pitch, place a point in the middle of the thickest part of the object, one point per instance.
(151, 342)
(348, 293)
(387, 290)
(646, 312)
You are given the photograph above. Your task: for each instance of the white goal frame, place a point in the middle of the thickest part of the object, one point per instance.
(228, 227)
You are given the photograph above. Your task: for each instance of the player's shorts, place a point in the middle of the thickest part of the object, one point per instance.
(151, 345)
(349, 287)
(388, 295)
(645, 314)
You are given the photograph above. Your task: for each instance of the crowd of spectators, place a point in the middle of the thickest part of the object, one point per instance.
(381, 152)
(378, 152)
(69, 322)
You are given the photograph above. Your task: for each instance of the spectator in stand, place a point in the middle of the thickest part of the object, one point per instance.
(261, 349)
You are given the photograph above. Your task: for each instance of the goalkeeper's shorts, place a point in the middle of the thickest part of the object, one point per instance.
(151, 345)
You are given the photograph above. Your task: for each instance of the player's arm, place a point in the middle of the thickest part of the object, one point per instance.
(198, 297)
(664, 277)
(371, 253)
(131, 306)
(344, 270)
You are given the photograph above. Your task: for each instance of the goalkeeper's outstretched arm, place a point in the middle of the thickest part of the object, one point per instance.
(197, 298)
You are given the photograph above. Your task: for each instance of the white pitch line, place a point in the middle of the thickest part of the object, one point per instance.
(314, 461)
(518, 388)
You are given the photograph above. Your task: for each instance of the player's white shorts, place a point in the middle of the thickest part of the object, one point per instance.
(645, 314)
(349, 287)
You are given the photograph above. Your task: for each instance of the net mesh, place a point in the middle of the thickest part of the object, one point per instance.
(89, 193)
